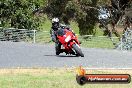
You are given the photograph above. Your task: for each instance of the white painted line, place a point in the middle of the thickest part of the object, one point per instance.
(86, 68)
(107, 68)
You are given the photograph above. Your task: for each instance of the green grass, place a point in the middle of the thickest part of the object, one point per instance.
(98, 42)
(74, 27)
(43, 37)
(46, 25)
(49, 78)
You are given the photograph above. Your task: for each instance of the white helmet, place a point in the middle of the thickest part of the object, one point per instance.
(55, 20)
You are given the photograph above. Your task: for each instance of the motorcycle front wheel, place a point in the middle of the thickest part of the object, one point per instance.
(78, 50)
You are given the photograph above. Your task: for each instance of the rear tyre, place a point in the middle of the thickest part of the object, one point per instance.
(57, 53)
(78, 50)
(58, 48)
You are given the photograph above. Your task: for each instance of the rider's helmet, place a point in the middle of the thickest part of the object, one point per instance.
(55, 23)
(55, 20)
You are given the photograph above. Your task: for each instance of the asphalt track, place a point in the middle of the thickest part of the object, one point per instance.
(29, 55)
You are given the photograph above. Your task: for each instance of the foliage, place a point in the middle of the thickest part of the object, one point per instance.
(29, 13)
(19, 13)
(79, 10)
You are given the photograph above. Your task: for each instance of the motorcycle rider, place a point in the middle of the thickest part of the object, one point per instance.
(54, 28)
(57, 26)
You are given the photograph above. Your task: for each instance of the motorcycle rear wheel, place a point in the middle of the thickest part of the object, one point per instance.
(57, 48)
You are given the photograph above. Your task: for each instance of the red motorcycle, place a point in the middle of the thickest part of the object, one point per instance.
(68, 43)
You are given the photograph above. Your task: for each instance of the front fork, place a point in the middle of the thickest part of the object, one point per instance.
(74, 42)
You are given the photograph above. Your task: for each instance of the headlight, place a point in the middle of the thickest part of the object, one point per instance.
(68, 39)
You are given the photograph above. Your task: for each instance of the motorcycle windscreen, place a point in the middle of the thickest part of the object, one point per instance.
(61, 32)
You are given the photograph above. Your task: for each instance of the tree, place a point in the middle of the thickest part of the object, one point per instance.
(19, 13)
(25, 13)
(86, 16)
(78, 10)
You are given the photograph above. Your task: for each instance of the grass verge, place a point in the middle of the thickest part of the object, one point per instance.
(90, 42)
(52, 78)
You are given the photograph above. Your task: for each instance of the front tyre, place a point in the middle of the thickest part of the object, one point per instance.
(78, 50)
